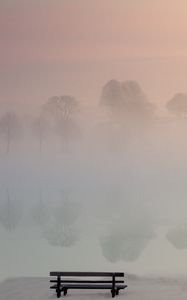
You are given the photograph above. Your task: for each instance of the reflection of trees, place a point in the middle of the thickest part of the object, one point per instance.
(128, 237)
(62, 230)
(59, 235)
(40, 212)
(124, 245)
(178, 237)
(10, 213)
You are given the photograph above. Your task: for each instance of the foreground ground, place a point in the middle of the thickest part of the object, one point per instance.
(138, 289)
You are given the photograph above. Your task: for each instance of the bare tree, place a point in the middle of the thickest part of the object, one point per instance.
(40, 129)
(178, 105)
(10, 128)
(63, 109)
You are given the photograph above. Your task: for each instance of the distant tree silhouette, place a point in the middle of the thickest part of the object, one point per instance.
(10, 128)
(63, 109)
(126, 97)
(40, 129)
(178, 105)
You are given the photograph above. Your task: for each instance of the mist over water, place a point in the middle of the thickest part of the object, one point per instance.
(84, 189)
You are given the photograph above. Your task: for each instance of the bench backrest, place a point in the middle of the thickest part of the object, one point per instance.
(88, 274)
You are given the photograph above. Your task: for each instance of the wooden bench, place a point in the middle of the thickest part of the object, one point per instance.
(67, 280)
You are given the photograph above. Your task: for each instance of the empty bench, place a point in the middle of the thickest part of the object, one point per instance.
(68, 280)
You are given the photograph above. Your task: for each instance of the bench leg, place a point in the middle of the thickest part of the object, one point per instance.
(113, 292)
(58, 293)
(117, 292)
(58, 290)
(65, 292)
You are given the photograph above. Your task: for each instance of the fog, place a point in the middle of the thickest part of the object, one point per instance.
(101, 188)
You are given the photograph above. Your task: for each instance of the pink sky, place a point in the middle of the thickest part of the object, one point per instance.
(37, 36)
(91, 29)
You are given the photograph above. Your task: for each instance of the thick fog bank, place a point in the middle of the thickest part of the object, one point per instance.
(92, 190)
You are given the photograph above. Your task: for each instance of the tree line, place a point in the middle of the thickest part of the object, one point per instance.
(123, 101)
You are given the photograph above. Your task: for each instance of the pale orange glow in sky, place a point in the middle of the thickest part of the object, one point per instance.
(78, 29)
(99, 37)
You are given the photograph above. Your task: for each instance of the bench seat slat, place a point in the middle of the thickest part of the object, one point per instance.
(86, 281)
(80, 286)
(93, 286)
(83, 284)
